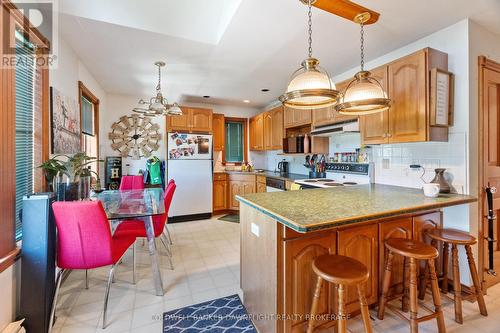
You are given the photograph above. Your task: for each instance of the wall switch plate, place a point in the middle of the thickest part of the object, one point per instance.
(255, 229)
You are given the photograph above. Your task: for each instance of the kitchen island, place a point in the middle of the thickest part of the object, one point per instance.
(282, 233)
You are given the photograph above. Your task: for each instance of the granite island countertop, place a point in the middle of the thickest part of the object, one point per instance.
(310, 210)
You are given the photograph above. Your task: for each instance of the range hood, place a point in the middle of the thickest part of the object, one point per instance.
(342, 127)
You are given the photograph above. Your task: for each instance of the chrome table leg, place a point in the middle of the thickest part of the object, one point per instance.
(54, 302)
(154, 256)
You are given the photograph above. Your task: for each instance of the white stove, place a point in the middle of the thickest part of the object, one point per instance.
(341, 174)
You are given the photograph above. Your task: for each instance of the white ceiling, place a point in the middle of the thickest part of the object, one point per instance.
(231, 49)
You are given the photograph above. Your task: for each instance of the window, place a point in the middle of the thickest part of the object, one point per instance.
(25, 83)
(89, 113)
(235, 140)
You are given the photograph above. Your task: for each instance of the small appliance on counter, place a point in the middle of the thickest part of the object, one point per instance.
(341, 174)
(283, 167)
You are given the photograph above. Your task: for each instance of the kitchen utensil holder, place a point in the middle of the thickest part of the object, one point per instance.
(314, 174)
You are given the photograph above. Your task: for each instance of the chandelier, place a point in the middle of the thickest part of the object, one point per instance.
(158, 105)
(310, 86)
(364, 94)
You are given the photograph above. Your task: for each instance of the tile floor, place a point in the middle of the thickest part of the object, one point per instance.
(206, 260)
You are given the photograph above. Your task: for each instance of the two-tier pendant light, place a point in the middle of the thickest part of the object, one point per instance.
(310, 86)
(364, 94)
(158, 105)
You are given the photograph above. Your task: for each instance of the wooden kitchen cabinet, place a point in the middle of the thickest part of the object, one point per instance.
(240, 184)
(402, 228)
(220, 195)
(192, 120)
(219, 131)
(257, 132)
(375, 127)
(300, 279)
(362, 244)
(277, 128)
(296, 117)
(407, 83)
(261, 184)
(267, 131)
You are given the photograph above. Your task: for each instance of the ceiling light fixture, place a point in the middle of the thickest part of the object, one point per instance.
(246, 101)
(158, 105)
(310, 86)
(264, 90)
(206, 96)
(364, 94)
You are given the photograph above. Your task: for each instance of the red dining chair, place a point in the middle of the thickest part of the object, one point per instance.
(136, 228)
(132, 183)
(84, 241)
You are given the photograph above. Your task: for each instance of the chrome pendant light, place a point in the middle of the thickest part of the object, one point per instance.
(364, 94)
(158, 105)
(310, 86)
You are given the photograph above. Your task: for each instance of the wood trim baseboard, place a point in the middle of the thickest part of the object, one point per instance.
(9, 259)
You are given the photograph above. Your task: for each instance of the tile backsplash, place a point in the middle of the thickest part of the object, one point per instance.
(392, 161)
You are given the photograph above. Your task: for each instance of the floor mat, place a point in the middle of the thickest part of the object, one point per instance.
(225, 314)
(235, 218)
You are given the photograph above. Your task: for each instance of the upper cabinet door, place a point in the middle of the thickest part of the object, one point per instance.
(218, 122)
(337, 117)
(323, 116)
(201, 120)
(257, 132)
(267, 130)
(179, 123)
(277, 131)
(374, 128)
(407, 89)
(296, 117)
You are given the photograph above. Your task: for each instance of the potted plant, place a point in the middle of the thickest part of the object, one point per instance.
(71, 175)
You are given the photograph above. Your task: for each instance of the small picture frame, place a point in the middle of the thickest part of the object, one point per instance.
(441, 98)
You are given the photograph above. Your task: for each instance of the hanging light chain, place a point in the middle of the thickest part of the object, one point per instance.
(158, 87)
(309, 14)
(362, 47)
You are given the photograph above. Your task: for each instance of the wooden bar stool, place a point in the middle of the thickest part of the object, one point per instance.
(342, 271)
(412, 251)
(455, 238)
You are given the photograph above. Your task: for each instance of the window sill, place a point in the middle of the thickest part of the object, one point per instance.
(9, 259)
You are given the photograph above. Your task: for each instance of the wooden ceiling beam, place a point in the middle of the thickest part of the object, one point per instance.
(346, 9)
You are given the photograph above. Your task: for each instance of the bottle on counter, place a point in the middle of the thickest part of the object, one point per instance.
(306, 144)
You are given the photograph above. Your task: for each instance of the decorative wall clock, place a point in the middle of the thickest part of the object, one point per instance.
(135, 136)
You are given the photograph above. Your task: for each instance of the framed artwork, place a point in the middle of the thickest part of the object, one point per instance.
(65, 123)
(441, 103)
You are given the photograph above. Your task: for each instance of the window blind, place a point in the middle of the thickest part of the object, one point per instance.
(25, 74)
(87, 116)
(234, 142)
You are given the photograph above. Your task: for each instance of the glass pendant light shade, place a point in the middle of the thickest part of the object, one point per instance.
(175, 110)
(363, 95)
(310, 87)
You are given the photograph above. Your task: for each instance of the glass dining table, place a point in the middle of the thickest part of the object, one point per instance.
(139, 205)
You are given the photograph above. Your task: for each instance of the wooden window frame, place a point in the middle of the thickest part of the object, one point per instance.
(11, 17)
(83, 91)
(244, 122)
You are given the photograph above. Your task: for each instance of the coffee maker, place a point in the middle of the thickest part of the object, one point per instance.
(283, 167)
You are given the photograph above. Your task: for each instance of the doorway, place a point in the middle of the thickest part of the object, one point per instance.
(489, 164)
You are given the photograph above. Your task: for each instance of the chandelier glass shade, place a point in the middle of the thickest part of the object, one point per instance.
(158, 105)
(310, 86)
(364, 94)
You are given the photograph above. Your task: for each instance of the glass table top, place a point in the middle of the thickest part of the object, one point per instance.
(121, 205)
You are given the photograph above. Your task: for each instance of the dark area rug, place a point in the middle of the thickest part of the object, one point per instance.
(221, 315)
(235, 218)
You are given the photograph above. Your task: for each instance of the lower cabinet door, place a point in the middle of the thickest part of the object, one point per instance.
(361, 243)
(235, 189)
(300, 280)
(220, 195)
(393, 229)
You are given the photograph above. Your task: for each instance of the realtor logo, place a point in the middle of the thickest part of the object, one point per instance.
(30, 25)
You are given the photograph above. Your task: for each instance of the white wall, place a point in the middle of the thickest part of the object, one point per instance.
(120, 105)
(8, 287)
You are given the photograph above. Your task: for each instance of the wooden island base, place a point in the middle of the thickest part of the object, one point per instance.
(276, 273)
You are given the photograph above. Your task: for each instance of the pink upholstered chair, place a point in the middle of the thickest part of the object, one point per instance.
(136, 228)
(84, 241)
(132, 183)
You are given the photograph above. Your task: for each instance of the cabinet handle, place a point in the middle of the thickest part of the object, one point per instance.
(385, 135)
(389, 135)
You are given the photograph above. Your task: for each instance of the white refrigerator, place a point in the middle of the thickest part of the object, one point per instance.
(190, 164)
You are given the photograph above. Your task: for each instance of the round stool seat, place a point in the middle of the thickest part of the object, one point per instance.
(411, 248)
(453, 236)
(340, 269)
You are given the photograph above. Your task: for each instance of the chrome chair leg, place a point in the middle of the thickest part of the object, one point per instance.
(86, 279)
(133, 262)
(106, 295)
(54, 302)
(166, 245)
(168, 235)
(169, 255)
